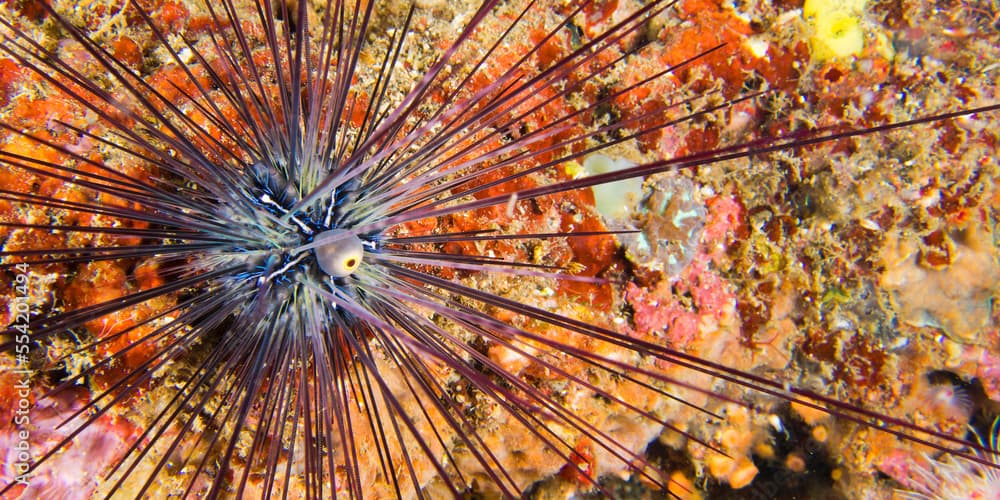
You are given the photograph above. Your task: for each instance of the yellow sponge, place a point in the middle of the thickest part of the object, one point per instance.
(835, 27)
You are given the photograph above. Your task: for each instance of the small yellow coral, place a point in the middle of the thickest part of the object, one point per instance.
(680, 486)
(743, 474)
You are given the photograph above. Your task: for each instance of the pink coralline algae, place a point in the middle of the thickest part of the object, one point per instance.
(725, 217)
(656, 313)
(697, 296)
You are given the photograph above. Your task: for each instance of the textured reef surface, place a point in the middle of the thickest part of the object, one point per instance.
(866, 269)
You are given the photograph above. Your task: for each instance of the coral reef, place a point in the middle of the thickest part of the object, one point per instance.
(851, 268)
